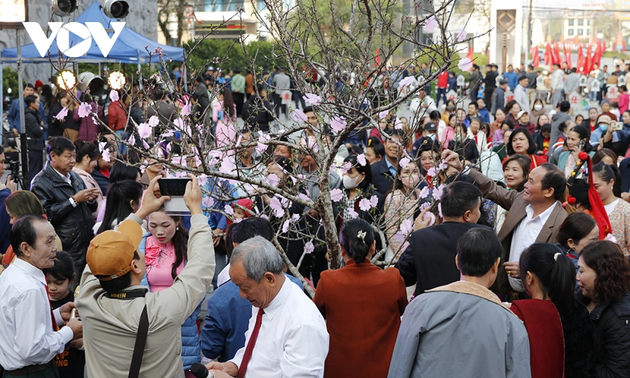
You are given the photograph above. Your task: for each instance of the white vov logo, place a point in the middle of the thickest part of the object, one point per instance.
(88, 31)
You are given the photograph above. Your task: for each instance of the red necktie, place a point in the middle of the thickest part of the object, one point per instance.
(250, 345)
(52, 314)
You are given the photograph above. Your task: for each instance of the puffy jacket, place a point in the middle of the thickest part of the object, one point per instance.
(117, 115)
(191, 351)
(611, 338)
(34, 130)
(89, 127)
(72, 224)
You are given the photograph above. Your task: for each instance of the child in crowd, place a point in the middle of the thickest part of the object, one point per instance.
(71, 361)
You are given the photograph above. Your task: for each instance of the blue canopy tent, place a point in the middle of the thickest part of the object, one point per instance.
(130, 47)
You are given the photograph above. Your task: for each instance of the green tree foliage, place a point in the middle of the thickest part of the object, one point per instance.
(10, 80)
(229, 54)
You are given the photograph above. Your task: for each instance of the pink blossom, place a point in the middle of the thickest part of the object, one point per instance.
(461, 35)
(361, 159)
(154, 121)
(424, 193)
(311, 98)
(430, 217)
(404, 162)
(433, 172)
(440, 210)
(142, 168)
(203, 178)
(336, 195)
(273, 179)
(383, 114)
(299, 116)
(101, 146)
(406, 226)
(443, 165)
(611, 237)
(332, 168)
(310, 142)
(365, 204)
(106, 155)
(465, 64)
(338, 124)
(309, 247)
(228, 209)
(346, 167)
(132, 139)
(437, 192)
(144, 130)
(303, 197)
(227, 165)
(197, 161)
(84, 109)
(186, 110)
(286, 225)
(353, 214)
(398, 124)
(62, 114)
(430, 24)
(374, 200)
(113, 95)
(145, 144)
(276, 206)
(406, 81)
(207, 202)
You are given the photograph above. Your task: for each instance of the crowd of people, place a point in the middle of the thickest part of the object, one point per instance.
(494, 239)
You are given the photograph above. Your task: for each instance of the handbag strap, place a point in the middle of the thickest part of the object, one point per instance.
(141, 340)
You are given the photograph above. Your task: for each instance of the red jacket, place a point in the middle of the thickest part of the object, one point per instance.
(117, 115)
(443, 80)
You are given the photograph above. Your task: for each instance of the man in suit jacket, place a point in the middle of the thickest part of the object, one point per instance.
(429, 261)
(534, 216)
(384, 172)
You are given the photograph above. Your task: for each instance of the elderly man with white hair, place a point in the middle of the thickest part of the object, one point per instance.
(287, 335)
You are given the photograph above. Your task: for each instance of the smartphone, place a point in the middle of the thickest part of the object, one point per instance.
(616, 126)
(173, 186)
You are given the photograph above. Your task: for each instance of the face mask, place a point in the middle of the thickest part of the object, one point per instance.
(458, 138)
(432, 136)
(538, 107)
(351, 182)
(603, 127)
(450, 108)
(410, 181)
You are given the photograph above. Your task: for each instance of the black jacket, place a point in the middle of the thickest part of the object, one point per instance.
(429, 260)
(578, 339)
(611, 338)
(72, 224)
(34, 129)
(101, 180)
(382, 178)
(257, 113)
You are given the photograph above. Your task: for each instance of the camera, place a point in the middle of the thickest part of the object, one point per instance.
(174, 188)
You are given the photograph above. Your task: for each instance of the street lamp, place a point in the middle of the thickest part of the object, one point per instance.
(116, 80)
(66, 80)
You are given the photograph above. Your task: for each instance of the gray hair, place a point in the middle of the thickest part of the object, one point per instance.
(259, 256)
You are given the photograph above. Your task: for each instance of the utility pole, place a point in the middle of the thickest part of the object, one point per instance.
(529, 33)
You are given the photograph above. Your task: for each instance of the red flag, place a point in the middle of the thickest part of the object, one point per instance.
(548, 55)
(556, 54)
(597, 57)
(567, 55)
(598, 211)
(378, 58)
(535, 57)
(470, 54)
(588, 62)
(580, 62)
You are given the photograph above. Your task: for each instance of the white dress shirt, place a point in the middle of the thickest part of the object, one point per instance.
(26, 334)
(224, 276)
(292, 341)
(525, 235)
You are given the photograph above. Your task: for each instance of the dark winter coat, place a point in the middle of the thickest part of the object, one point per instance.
(34, 130)
(72, 224)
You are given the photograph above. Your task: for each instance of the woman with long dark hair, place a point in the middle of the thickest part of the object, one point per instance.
(577, 141)
(576, 232)
(605, 182)
(165, 249)
(549, 279)
(604, 281)
(224, 115)
(123, 198)
(362, 305)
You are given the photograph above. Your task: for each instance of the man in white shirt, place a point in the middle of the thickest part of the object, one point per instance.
(534, 216)
(557, 83)
(29, 337)
(287, 335)
(520, 93)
